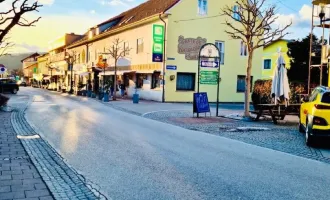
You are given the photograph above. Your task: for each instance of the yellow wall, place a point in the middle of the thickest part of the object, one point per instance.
(270, 52)
(185, 21)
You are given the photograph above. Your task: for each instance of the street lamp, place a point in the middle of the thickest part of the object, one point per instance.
(104, 60)
(69, 59)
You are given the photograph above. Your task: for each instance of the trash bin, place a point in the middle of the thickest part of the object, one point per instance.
(100, 95)
(135, 98)
(93, 95)
(106, 97)
(89, 93)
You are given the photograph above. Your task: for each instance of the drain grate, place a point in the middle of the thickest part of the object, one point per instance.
(28, 137)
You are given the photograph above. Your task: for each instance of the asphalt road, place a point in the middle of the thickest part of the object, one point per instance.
(131, 157)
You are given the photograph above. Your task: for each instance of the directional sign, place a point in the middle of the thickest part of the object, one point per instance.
(171, 67)
(209, 77)
(210, 64)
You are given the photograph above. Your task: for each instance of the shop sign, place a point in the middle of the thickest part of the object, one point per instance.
(158, 43)
(190, 47)
(209, 77)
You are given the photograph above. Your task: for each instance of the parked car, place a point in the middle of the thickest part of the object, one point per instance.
(22, 83)
(314, 118)
(8, 85)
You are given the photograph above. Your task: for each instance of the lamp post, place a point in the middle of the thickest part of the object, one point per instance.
(104, 65)
(69, 59)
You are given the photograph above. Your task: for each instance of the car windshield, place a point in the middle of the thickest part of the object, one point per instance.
(326, 98)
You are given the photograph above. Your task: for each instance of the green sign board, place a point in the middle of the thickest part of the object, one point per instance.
(35, 70)
(209, 77)
(158, 43)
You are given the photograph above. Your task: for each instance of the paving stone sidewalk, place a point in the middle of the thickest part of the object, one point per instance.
(19, 179)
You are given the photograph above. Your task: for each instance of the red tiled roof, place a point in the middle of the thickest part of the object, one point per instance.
(31, 56)
(140, 12)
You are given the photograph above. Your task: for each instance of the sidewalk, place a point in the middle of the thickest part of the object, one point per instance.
(19, 178)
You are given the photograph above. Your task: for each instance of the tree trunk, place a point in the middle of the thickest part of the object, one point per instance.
(248, 86)
(115, 82)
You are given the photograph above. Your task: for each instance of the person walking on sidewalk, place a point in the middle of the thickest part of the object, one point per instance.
(122, 90)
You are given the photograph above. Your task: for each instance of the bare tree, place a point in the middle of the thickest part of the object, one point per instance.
(117, 50)
(253, 23)
(14, 16)
(5, 47)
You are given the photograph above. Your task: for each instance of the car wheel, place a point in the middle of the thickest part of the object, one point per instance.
(14, 91)
(308, 137)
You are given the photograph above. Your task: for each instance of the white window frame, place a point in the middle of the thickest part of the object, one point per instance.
(202, 7)
(243, 49)
(221, 50)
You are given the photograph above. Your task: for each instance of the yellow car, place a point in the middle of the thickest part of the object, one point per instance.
(315, 115)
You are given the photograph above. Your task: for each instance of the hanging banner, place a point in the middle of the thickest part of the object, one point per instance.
(158, 43)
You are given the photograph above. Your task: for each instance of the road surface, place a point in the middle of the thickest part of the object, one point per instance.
(131, 157)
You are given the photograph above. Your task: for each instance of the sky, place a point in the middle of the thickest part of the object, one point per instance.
(67, 16)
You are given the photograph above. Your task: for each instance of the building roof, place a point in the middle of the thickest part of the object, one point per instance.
(286, 40)
(138, 13)
(30, 56)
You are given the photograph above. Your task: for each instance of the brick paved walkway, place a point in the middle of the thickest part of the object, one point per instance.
(19, 178)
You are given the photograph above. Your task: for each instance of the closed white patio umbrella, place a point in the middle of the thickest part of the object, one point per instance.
(280, 84)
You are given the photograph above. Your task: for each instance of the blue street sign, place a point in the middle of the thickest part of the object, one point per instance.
(210, 64)
(171, 67)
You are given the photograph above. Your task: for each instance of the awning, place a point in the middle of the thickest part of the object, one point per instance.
(47, 78)
(84, 73)
(107, 73)
(146, 71)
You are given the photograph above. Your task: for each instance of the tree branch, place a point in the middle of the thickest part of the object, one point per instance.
(13, 16)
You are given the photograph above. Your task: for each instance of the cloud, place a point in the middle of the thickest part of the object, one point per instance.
(116, 2)
(51, 27)
(46, 2)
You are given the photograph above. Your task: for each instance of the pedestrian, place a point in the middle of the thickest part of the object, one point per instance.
(122, 89)
(112, 89)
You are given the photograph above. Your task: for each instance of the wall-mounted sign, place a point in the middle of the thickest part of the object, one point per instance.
(190, 46)
(158, 43)
(170, 58)
(171, 67)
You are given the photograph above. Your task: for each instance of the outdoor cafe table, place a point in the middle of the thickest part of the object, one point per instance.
(277, 112)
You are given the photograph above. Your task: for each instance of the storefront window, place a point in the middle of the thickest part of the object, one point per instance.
(139, 80)
(155, 80)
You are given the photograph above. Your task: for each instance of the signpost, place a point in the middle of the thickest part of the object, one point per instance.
(2, 69)
(158, 43)
(209, 60)
(209, 64)
(209, 77)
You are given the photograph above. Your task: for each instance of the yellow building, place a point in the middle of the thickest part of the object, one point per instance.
(164, 39)
(270, 57)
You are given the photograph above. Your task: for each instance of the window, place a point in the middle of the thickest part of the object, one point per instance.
(267, 64)
(139, 48)
(326, 97)
(202, 7)
(241, 83)
(243, 49)
(221, 47)
(139, 79)
(185, 81)
(236, 10)
(126, 49)
(155, 80)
